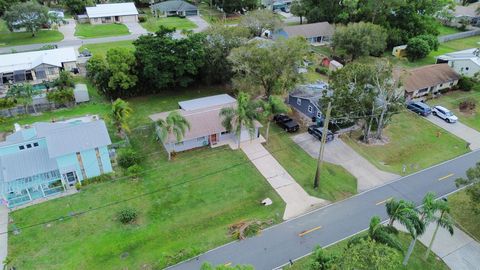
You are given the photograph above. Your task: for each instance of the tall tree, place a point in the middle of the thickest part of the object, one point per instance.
(269, 66)
(444, 220)
(77, 6)
(64, 80)
(22, 93)
(380, 233)
(322, 259)
(473, 182)
(120, 63)
(258, 21)
(119, 116)
(360, 39)
(299, 9)
(243, 116)
(368, 254)
(173, 125)
(406, 214)
(232, 6)
(29, 15)
(273, 105)
(6, 104)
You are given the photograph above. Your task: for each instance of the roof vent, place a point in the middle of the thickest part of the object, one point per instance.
(17, 127)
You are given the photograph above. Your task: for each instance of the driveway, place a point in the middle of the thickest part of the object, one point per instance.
(460, 130)
(297, 200)
(202, 25)
(135, 28)
(338, 152)
(68, 30)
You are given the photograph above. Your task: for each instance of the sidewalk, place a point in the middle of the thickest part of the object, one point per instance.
(297, 200)
(4, 236)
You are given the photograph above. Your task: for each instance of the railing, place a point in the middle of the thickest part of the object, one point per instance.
(18, 200)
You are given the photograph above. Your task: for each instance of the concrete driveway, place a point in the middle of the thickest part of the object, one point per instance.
(68, 30)
(202, 25)
(460, 130)
(135, 28)
(338, 152)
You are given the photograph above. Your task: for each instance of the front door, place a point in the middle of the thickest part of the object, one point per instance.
(213, 139)
(71, 178)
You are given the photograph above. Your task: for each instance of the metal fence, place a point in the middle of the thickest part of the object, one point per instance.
(44, 107)
(461, 35)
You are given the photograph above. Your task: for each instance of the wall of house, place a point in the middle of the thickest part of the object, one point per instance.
(105, 157)
(68, 66)
(465, 67)
(14, 148)
(246, 136)
(69, 163)
(129, 18)
(187, 145)
(433, 89)
(303, 107)
(90, 163)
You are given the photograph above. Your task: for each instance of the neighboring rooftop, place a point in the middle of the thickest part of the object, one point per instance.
(467, 11)
(206, 102)
(108, 10)
(472, 54)
(310, 30)
(30, 60)
(174, 5)
(427, 76)
(314, 90)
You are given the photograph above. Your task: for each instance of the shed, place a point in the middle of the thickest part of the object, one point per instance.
(81, 93)
(400, 51)
(334, 65)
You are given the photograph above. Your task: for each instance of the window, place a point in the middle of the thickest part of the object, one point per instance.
(441, 85)
(319, 114)
(21, 147)
(299, 101)
(29, 146)
(225, 132)
(451, 84)
(200, 139)
(310, 109)
(35, 144)
(466, 68)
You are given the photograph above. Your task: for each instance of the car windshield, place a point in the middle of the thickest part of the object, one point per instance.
(448, 113)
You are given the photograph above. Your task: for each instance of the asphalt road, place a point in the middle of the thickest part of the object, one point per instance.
(328, 225)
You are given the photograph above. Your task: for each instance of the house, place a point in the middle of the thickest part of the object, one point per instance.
(206, 129)
(305, 99)
(35, 67)
(468, 12)
(418, 83)
(174, 8)
(466, 62)
(45, 159)
(315, 33)
(112, 13)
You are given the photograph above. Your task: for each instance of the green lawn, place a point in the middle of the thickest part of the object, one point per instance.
(86, 30)
(416, 261)
(463, 213)
(212, 15)
(210, 189)
(411, 142)
(25, 38)
(447, 30)
(153, 24)
(102, 48)
(336, 183)
(451, 100)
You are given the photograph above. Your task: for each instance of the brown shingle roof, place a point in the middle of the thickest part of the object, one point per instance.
(310, 30)
(427, 76)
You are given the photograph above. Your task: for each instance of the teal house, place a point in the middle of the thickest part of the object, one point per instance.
(45, 159)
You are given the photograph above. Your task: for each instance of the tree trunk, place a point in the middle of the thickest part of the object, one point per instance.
(410, 250)
(433, 238)
(34, 109)
(267, 132)
(301, 19)
(380, 123)
(239, 136)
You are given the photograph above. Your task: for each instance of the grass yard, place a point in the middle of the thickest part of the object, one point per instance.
(153, 24)
(336, 183)
(212, 15)
(25, 38)
(462, 212)
(451, 100)
(197, 197)
(447, 30)
(102, 48)
(416, 261)
(86, 30)
(411, 142)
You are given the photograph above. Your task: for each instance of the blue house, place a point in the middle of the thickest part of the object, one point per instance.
(305, 99)
(314, 33)
(45, 159)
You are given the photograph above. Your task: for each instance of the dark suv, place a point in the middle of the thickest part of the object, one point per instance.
(317, 132)
(286, 123)
(419, 108)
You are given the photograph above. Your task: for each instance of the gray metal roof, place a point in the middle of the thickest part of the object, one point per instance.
(206, 102)
(77, 137)
(173, 5)
(81, 93)
(26, 163)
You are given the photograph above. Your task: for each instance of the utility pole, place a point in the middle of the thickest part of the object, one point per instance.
(322, 145)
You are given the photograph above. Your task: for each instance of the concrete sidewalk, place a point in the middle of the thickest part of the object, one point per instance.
(338, 152)
(297, 200)
(459, 251)
(4, 236)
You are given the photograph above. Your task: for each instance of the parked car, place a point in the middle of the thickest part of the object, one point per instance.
(286, 123)
(419, 108)
(444, 113)
(317, 131)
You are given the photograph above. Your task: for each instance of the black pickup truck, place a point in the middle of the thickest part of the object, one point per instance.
(286, 123)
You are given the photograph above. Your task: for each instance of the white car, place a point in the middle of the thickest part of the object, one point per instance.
(445, 114)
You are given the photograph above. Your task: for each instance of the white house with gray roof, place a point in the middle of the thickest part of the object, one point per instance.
(206, 129)
(112, 13)
(466, 62)
(45, 159)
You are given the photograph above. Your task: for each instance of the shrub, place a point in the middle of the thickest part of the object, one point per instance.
(323, 70)
(61, 96)
(431, 40)
(78, 186)
(127, 215)
(127, 157)
(467, 105)
(98, 179)
(64, 81)
(417, 48)
(134, 171)
(465, 83)
(142, 19)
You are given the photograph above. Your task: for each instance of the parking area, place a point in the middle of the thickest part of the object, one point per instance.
(458, 129)
(338, 152)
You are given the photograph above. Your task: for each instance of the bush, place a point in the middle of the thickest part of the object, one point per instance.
(78, 186)
(127, 215)
(98, 179)
(61, 96)
(417, 48)
(431, 40)
(127, 157)
(142, 19)
(466, 83)
(467, 105)
(323, 70)
(64, 81)
(134, 171)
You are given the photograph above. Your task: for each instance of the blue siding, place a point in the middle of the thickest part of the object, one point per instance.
(105, 157)
(303, 107)
(14, 147)
(90, 163)
(67, 163)
(188, 144)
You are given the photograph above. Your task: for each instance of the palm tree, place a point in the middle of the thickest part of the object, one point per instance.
(24, 93)
(174, 124)
(119, 115)
(273, 105)
(444, 220)
(380, 233)
(427, 215)
(240, 117)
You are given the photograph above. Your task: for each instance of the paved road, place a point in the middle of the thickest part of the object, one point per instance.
(276, 245)
(460, 130)
(338, 152)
